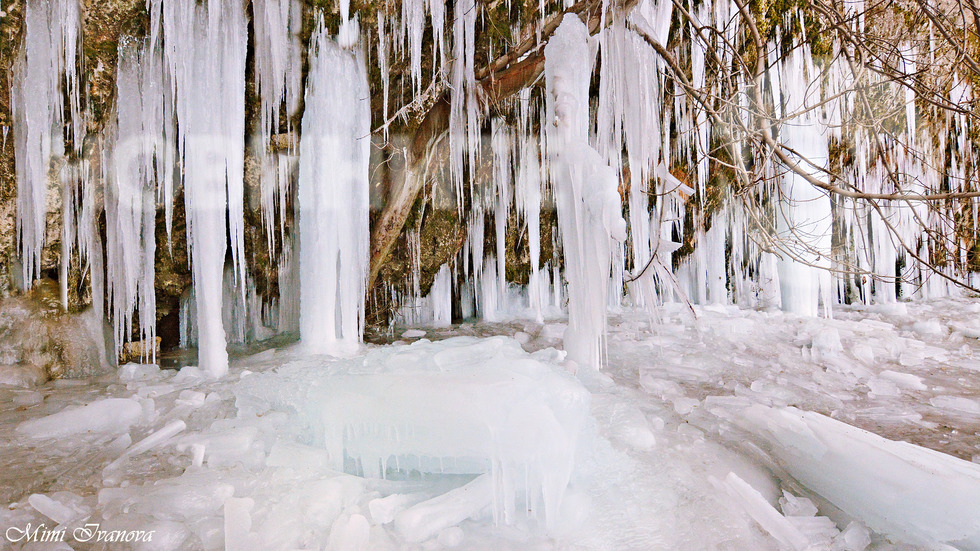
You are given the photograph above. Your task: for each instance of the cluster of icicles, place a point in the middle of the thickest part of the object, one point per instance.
(179, 124)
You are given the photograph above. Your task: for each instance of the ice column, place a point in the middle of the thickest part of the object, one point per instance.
(589, 207)
(528, 198)
(804, 217)
(205, 49)
(333, 198)
(502, 146)
(441, 297)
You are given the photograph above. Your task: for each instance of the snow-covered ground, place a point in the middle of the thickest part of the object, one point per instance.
(739, 429)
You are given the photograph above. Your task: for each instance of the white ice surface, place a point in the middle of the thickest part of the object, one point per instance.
(669, 416)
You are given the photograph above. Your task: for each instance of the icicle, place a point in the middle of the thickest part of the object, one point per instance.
(628, 118)
(589, 210)
(464, 115)
(501, 143)
(278, 79)
(383, 66)
(333, 199)
(441, 297)
(701, 130)
(52, 40)
(68, 184)
(528, 199)
(437, 13)
(205, 48)
(413, 18)
(141, 161)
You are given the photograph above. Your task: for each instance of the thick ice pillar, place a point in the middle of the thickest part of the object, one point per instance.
(333, 199)
(589, 206)
(804, 214)
(205, 48)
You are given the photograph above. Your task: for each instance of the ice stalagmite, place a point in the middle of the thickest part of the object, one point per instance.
(48, 58)
(804, 212)
(589, 208)
(333, 198)
(205, 47)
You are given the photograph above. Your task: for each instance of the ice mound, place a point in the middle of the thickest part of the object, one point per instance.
(460, 406)
(907, 492)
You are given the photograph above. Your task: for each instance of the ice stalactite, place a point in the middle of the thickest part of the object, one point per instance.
(245, 321)
(49, 57)
(804, 211)
(413, 19)
(204, 48)
(527, 196)
(333, 198)
(278, 79)
(585, 187)
(629, 119)
(70, 183)
(698, 118)
(502, 146)
(140, 162)
(437, 15)
(384, 43)
(473, 248)
(287, 305)
(464, 116)
(707, 269)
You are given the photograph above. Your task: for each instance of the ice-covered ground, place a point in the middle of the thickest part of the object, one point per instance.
(738, 430)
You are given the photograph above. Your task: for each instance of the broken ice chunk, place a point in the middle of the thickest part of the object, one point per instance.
(904, 491)
(765, 514)
(797, 506)
(957, 404)
(112, 415)
(61, 507)
(426, 519)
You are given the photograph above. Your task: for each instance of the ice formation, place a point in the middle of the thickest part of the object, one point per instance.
(912, 493)
(204, 48)
(464, 117)
(638, 137)
(589, 209)
(458, 406)
(48, 59)
(489, 426)
(333, 198)
(140, 161)
(804, 211)
(278, 79)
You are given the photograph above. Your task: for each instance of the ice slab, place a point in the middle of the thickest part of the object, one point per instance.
(112, 415)
(904, 491)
